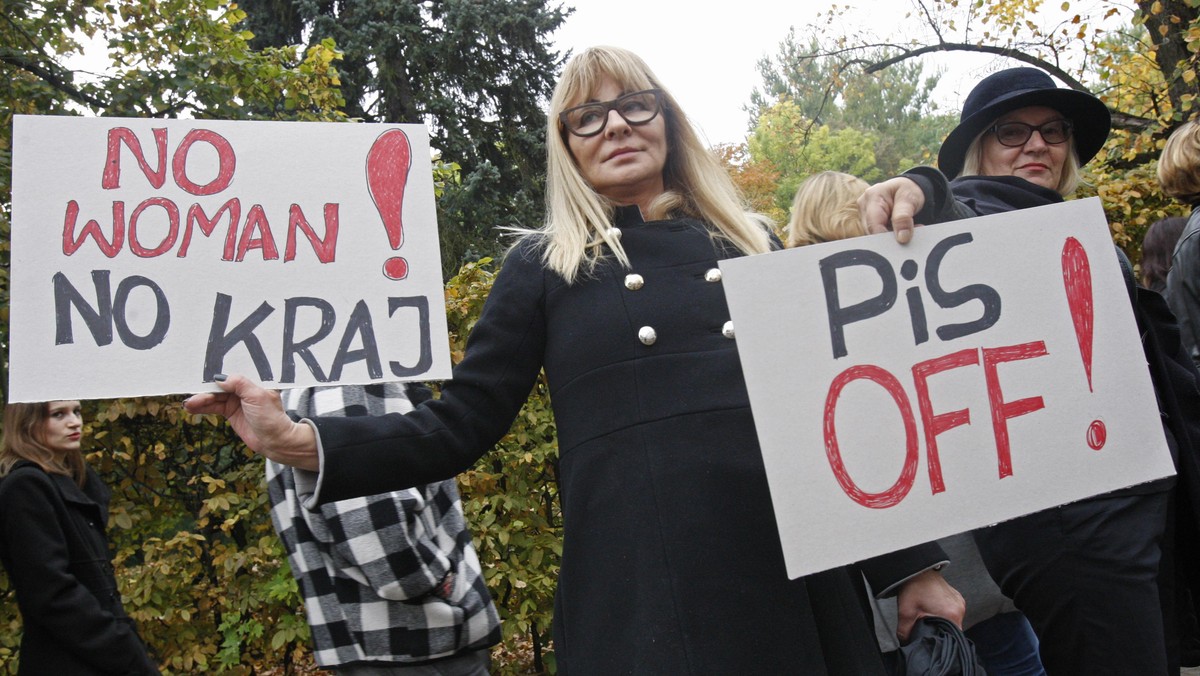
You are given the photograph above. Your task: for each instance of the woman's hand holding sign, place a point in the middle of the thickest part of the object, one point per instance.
(257, 415)
(891, 205)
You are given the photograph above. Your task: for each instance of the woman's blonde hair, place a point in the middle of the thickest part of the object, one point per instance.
(1179, 164)
(578, 219)
(24, 439)
(1068, 180)
(825, 209)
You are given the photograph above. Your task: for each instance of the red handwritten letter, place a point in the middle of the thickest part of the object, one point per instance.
(936, 424)
(112, 162)
(1003, 410)
(904, 484)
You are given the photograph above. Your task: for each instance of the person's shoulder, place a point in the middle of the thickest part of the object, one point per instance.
(25, 478)
(525, 261)
(26, 471)
(528, 249)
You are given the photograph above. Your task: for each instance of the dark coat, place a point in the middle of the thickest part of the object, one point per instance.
(54, 548)
(1183, 285)
(671, 558)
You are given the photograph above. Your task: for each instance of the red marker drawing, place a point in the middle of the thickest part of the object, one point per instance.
(388, 162)
(1077, 280)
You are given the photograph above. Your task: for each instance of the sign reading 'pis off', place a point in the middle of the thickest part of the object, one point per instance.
(149, 255)
(988, 369)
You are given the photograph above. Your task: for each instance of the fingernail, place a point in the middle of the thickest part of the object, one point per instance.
(219, 377)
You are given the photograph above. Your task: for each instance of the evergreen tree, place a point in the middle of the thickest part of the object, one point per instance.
(477, 72)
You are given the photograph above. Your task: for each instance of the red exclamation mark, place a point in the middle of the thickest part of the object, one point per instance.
(387, 174)
(1077, 280)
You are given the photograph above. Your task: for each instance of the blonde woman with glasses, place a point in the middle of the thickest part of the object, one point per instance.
(671, 561)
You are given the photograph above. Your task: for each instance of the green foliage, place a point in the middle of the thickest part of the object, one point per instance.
(817, 113)
(798, 148)
(892, 107)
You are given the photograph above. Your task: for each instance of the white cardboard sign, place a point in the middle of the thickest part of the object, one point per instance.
(148, 255)
(988, 369)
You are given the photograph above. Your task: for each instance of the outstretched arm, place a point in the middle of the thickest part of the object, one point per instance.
(257, 416)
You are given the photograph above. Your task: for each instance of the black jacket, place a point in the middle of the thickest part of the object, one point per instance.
(1183, 285)
(671, 560)
(54, 548)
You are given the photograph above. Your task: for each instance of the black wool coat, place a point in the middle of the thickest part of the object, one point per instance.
(671, 558)
(54, 548)
(1183, 285)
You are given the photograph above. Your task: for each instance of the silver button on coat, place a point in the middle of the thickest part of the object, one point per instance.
(647, 335)
(712, 275)
(634, 281)
(727, 329)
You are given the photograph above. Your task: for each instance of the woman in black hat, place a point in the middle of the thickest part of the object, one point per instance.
(1086, 574)
(1019, 143)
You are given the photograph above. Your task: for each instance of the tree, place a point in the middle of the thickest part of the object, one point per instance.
(199, 566)
(1142, 60)
(478, 72)
(797, 149)
(757, 180)
(894, 107)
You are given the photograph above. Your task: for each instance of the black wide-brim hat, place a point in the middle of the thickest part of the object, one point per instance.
(1014, 88)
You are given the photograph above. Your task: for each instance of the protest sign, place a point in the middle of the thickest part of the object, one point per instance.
(149, 255)
(988, 369)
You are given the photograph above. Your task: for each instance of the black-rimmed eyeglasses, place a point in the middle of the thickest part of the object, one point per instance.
(1016, 134)
(591, 118)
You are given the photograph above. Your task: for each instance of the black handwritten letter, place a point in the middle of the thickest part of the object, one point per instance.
(949, 299)
(221, 342)
(359, 325)
(291, 348)
(426, 358)
(162, 314)
(98, 320)
(840, 316)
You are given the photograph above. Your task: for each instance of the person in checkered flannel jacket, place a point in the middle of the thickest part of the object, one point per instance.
(391, 582)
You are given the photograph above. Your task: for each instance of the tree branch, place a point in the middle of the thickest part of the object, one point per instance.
(1120, 120)
(51, 78)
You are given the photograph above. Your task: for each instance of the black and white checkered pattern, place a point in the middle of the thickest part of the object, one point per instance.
(390, 578)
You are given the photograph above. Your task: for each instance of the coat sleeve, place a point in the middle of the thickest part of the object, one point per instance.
(888, 572)
(1183, 286)
(442, 437)
(49, 594)
(940, 205)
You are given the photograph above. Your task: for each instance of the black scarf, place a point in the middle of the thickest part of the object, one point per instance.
(986, 195)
